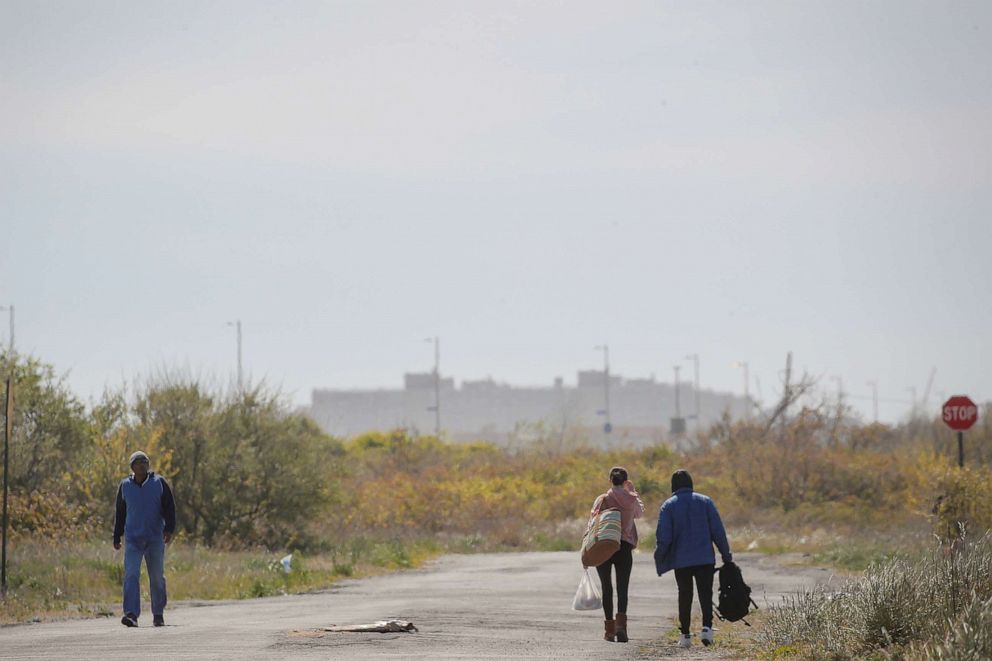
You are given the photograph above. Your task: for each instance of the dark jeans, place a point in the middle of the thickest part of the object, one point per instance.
(704, 585)
(623, 560)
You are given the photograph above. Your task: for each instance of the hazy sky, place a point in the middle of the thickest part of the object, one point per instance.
(525, 180)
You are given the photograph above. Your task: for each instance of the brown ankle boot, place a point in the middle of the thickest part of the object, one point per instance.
(621, 627)
(611, 631)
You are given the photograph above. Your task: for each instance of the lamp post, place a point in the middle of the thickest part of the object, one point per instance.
(605, 348)
(694, 357)
(437, 385)
(747, 386)
(237, 324)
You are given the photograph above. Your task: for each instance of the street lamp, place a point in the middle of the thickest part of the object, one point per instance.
(605, 348)
(677, 423)
(747, 386)
(694, 357)
(237, 324)
(437, 385)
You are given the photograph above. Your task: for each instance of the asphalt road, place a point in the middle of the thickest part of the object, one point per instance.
(490, 606)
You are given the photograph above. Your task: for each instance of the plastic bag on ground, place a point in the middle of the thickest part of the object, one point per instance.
(587, 597)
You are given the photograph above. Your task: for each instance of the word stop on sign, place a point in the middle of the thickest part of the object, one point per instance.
(960, 413)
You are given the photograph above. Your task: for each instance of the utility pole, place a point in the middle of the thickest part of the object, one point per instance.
(7, 430)
(605, 348)
(874, 398)
(678, 408)
(437, 385)
(912, 398)
(786, 392)
(695, 387)
(237, 324)
(925, 400)
(840, 388)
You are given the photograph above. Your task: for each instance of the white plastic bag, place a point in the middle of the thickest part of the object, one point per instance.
(587, 597)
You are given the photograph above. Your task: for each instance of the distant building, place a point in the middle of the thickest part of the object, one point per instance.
(424, 380)
(640, 409)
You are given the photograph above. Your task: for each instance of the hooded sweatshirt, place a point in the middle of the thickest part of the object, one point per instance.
(630, 506)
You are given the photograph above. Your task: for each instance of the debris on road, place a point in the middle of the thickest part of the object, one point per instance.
(382, 626)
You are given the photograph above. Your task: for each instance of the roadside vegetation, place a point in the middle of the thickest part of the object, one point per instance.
(52, 579)
(935, 606)
(255, 480)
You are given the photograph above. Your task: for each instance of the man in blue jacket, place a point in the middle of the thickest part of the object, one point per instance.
(146, 517)
(688, 527)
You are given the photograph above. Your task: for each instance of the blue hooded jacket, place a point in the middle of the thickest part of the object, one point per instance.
(688, 527)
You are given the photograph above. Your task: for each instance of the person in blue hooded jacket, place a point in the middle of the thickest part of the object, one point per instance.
(688, 527)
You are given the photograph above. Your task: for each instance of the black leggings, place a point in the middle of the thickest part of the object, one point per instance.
(623, 560)
(704, 585)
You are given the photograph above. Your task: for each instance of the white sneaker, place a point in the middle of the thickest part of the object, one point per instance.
(706, 635)
(685, 641)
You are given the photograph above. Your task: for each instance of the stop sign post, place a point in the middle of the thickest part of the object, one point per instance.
(960, 413)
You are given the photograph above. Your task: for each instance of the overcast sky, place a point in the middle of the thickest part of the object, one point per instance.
(525, 180)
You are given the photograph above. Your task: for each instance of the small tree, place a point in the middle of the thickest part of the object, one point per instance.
(178, 414)
(113, 437)
(50, 426)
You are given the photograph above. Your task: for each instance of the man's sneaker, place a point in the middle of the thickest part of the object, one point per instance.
(706, 635)
(129, 620)
(158, 621)
(685, 641)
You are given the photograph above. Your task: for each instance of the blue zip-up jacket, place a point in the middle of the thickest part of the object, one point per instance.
(144, 511)
(688, 527)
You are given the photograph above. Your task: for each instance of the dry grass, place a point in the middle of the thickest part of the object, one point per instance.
(969, 639)
(55, 580)
(895, 606)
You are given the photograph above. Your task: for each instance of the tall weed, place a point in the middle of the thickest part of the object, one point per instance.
(891, 606)
(970, 638)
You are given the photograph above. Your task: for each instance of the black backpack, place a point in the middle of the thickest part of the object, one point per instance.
(735, 595)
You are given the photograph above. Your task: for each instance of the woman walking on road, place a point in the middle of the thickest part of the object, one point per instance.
(621, 496)
(688, 527)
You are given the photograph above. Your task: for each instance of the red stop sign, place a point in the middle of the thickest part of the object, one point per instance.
(960, 412)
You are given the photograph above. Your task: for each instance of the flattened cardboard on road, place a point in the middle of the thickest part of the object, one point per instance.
(382, 626)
